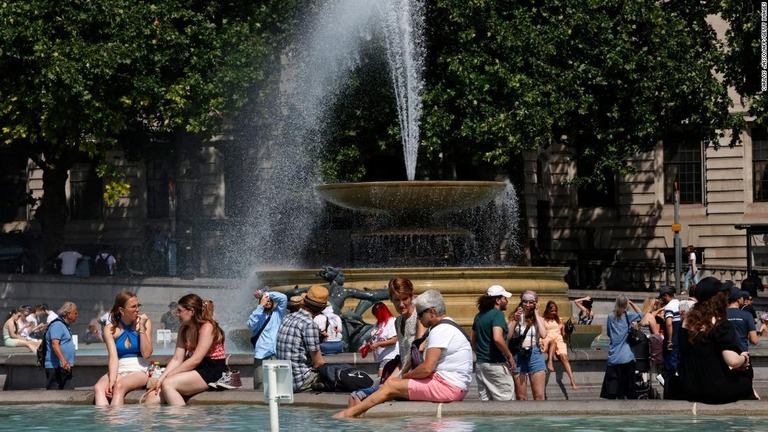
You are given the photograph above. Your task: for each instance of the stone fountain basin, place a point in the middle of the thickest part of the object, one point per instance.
(460, 286)
(411, 196)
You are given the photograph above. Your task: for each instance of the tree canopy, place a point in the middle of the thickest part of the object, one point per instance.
(83, 77)
(610, 77)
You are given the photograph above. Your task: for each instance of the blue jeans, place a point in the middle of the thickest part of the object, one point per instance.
(688, 276)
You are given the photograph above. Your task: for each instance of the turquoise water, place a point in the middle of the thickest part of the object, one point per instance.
(256, 418)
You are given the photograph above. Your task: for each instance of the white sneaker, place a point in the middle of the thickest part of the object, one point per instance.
(228, 380)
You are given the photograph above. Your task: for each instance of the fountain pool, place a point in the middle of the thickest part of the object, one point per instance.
(248, 417)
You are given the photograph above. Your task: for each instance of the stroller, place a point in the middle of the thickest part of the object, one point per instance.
(643, 374)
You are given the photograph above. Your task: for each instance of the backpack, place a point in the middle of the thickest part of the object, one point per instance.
(42, 350)
(416, 357)
(655, 347)
(101, 265)
(344, 377)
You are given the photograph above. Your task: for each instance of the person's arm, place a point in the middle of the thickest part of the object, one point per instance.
(693, 263)
(541, 328)
(317, 358)
(668, 331)
(735, 360)
(389, 342)
(501, 344)
(753, 339)
(56, 347)
(280, 302)
(145, 336)
(112, 367)
(634, 306)
(425, 369)
(473, 340)
(579, 304)
(257, 318)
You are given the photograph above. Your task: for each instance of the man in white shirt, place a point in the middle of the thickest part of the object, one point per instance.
(69, 260)
(445, 373)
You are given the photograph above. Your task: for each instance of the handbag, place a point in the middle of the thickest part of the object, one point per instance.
(634, 336)
(569, 326)
(516, 342)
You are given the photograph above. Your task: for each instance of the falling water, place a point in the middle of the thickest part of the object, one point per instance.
(405, 50)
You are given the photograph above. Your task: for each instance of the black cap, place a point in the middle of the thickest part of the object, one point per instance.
(666, 289)
(709, 287)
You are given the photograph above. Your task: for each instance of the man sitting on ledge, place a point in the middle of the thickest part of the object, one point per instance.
(445, 374)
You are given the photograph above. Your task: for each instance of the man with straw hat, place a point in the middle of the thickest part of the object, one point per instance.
(298, 339)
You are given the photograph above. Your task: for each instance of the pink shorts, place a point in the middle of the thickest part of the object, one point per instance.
(434, 389)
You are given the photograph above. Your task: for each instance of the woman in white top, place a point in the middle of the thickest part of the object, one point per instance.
(11, 337)
(527, 322)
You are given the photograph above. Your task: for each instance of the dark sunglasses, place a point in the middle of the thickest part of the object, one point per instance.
(420, 314)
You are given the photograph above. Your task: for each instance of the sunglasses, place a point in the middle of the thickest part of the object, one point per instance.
(420, 314)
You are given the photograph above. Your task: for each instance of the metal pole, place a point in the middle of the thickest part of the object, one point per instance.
(749, 250)
(678, 254)
(274, 420)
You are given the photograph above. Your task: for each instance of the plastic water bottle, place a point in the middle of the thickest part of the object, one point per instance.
(157, 370)
(151, 369)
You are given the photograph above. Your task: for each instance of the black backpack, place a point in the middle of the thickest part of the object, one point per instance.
(344, 378)
(101, 265)
(42, 350)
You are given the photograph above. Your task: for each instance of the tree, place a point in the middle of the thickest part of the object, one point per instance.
(80, 78)
(609, 76)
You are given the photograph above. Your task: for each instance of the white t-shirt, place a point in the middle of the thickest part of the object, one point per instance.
(692, 258)
(51, 316)
(381, 334)
(455, 365)
(329, 322)
(69, 262)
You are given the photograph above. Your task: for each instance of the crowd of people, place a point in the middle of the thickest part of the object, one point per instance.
(421, 352)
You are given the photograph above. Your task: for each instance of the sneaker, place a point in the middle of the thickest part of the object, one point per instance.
(228, 380)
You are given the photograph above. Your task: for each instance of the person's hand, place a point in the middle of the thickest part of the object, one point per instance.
(744, 366)
(264, 300)
(141, 323)
(109, 389)
(512, 364)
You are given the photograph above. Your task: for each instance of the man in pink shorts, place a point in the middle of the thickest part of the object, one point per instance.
(434, 380)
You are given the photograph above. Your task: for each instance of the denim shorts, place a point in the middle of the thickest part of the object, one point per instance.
(535, 363)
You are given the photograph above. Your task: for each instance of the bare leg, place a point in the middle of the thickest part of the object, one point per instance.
(393, 388)
(353, 401)
(538, 382)
(521, 391)
(183, 384)
(100, 391)
(551, 349)
(567, 364)
(132, 381)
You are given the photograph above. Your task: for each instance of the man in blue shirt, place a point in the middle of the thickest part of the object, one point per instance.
(264, 322)
(60, 357)
(741, 320)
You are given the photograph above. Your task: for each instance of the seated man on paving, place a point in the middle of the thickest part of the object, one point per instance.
(445, 373)
(298, 339)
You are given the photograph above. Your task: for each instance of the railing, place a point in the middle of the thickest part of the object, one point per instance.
(636, 276)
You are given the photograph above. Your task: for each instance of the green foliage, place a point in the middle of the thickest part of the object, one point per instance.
(743, 56)
(611, 76)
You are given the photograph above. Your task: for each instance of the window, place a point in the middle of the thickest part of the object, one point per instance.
(157, 189)
(590, 195)
(760, 164)
(683, 165)
(86, 198)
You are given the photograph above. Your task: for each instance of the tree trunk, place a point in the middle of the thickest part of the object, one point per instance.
(53, 211)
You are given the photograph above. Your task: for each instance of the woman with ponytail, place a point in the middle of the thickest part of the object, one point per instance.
(199, 357)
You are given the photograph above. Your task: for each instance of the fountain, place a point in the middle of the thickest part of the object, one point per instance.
(436, 254)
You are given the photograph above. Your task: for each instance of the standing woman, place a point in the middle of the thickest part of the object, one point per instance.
(128, 336)
(11, 337)
(554, 344)
(199, 357)
(619, 380)
(530, 360)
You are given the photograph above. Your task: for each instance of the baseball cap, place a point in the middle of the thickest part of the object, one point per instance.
(709, 287)
(666, 289)
(498, 290)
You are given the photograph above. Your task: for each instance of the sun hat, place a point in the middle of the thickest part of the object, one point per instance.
(316, 297)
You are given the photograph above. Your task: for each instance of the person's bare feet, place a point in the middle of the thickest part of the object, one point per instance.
(550, 367)
(341, 414)
(574, 386)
